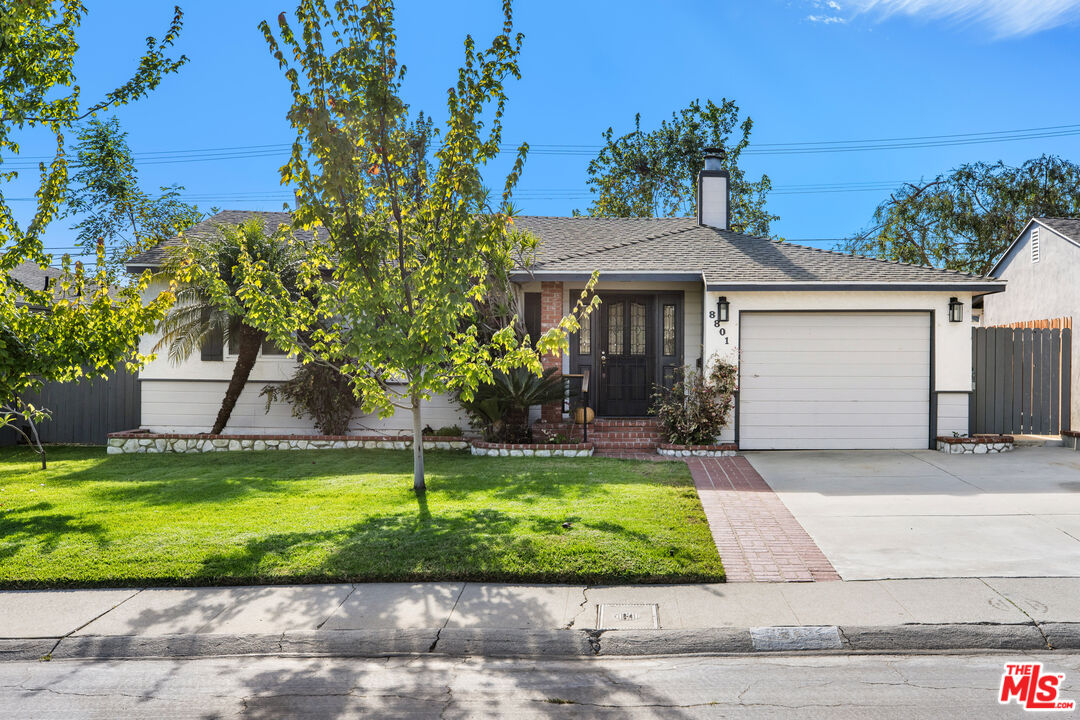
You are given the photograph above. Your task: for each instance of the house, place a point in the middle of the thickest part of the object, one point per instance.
(834, 350)
(1042, 267)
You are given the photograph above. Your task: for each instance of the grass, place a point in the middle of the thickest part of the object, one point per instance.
(93, 519)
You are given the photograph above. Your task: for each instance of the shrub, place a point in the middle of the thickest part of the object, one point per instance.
(448, 431)
(695, 410)
(501, 409)
(320, 392)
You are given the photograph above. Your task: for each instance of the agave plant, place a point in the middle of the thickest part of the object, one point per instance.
(501, 408)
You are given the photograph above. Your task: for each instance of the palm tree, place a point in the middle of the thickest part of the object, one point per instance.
(197, 317)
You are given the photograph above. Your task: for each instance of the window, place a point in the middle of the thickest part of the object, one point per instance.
(615, 329)
(669, 330)
(584, 338)
(637, 329)
(268, 348)
(1035, 245)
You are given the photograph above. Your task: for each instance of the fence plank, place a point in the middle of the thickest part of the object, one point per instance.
(1055, 381)
(980, 380)
(1028, 383)
(1042, 411)
(1017, 423)
(1003, 404)
(1066, 378)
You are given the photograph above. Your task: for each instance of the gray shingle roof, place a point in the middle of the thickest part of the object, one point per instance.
(570, 245)
(33, 277)
(674, 245)
(1069, 227)
(155, 256)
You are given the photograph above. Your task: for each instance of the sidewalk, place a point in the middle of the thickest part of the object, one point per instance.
(542, 620)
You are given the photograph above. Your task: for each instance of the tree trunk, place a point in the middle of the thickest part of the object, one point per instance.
(418, 446)
(250, 342)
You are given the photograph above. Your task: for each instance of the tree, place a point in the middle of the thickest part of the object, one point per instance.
(405, 249)
(207, 272)
(85, 325)
(965, 219)
(106, 192)
(654, 174)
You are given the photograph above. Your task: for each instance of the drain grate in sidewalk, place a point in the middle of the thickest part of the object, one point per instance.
(627, 616)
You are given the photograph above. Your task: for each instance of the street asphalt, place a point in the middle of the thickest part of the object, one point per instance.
(788, 686)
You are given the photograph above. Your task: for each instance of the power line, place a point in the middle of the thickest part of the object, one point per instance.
(240, 152)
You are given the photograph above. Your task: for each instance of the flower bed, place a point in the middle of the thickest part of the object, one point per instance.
(491, 449)
(975, 445)
(140, 441)
(723, 450)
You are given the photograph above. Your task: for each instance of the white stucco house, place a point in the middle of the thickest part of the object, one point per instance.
(834, 350)
(1042, 268)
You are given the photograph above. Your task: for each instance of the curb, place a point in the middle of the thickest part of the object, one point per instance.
(510, 643)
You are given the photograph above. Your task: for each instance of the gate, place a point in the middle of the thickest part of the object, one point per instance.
(1022, 380)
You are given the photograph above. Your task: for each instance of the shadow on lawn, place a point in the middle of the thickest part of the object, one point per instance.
(36, 525)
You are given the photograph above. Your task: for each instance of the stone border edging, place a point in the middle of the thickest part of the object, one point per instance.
(490, 449)
(974, 444)
(501, 642)
(133, 441)
(721, 450)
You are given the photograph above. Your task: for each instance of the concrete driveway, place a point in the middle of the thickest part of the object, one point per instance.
(923, 514)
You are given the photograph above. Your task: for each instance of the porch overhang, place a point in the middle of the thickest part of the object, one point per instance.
(981, 288)
(614, 276)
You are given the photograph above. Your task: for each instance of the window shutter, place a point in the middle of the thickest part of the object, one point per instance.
(213, 347)
(532, 315)
(1035, 245)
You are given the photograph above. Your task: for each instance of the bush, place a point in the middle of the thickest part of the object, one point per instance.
(320, 392)
(448, 431)
(501, 409)
(695, 410)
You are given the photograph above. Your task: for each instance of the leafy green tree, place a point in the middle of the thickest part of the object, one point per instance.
(654, 173)
(106, 193)
(85, 325)
(208, 275)
(965, 219)
(405, 249)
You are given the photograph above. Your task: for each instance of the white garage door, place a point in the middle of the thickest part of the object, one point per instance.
(834, 380)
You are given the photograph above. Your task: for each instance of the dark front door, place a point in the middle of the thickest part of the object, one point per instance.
(627, 354)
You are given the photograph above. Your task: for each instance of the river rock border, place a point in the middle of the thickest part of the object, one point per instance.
(723, 450)
(490, 449)
(975, 445)
(142, 442)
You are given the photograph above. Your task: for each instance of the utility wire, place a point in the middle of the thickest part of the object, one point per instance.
(239, 152)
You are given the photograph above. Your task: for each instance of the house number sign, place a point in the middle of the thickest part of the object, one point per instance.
(716, 323)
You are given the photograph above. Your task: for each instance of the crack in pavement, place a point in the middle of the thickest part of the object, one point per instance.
(438, 633)
(1006, 598)
(59, 640)
(336, 608)
(581, 607)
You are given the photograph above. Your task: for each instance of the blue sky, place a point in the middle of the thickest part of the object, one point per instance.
(804, 70)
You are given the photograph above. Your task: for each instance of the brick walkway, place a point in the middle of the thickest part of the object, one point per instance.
(757, 536)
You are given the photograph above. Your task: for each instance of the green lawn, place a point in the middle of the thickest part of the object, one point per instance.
(344, 515)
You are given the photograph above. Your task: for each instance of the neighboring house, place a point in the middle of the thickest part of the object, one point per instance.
(835, 351)
(34, 277)
(1042, 267)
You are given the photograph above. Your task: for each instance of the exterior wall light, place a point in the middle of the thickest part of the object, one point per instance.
(722, 308)
(956, 310)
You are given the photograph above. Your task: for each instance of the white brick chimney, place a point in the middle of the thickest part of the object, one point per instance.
(713, 208)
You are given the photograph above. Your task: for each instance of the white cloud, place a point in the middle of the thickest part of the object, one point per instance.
(1004, 18)
(826, 19)
(833, 4)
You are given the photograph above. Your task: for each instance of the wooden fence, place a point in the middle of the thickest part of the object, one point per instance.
(1022, 379)
(87, 411)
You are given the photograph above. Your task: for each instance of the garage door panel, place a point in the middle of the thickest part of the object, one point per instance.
(840, 394)
(878, 409)
(817, 431)
(811, 371)
(834, 380)
(769, 384)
